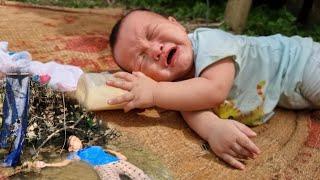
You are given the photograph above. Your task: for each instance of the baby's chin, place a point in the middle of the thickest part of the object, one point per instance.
(162, 78)
(165, 75)
(176, 76)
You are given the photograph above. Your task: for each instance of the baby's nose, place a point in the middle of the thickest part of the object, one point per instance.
(157, 51)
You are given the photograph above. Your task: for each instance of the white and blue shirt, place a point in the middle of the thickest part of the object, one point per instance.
(269, 71)
(93, 155)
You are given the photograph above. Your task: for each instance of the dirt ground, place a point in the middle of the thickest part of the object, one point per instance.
(164, 146)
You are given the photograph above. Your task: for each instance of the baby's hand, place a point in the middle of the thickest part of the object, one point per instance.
(39, 164)
(230, 141)
(141, 90)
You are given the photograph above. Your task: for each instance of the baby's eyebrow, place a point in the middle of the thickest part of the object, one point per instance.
(151, 30)
(154, 29)
(147, 31)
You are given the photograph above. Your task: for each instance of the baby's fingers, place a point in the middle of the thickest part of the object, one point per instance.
(120, 84)
(246, 143)
(129, 106)
(245, 129)
(236, 155)
(242, 152)
(121, 99)
(232, 161)
(124, 75)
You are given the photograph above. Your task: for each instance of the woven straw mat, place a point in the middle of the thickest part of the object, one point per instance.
(164, 147)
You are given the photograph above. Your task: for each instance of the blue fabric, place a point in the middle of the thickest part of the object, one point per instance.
(15, 116)
(93, 155)
(310, 86)
(269, 70)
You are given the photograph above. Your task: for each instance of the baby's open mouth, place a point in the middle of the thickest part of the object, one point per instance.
(170, 55)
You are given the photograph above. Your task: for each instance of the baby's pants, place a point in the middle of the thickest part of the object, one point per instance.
(310, 88)
(121, 167)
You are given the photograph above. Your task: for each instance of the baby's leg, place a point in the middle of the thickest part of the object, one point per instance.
(107, 171)
(310, 88)
(132, 171)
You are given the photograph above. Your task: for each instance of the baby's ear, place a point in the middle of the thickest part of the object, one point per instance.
(172, 19)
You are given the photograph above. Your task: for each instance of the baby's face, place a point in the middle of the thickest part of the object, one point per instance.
(157, 46)
(75, 144)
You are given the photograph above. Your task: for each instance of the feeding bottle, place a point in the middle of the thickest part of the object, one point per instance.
(93, 93)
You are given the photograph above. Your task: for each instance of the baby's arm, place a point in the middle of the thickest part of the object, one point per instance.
(203, 92)
(228, 139)
(59, 164)
(42, 164)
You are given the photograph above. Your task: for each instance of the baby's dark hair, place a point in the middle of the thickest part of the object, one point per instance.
(116, 28)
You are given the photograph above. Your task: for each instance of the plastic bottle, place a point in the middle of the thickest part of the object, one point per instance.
(93, 93)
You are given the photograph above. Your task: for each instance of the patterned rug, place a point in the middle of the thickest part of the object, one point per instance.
(164, 147)
(72, 37)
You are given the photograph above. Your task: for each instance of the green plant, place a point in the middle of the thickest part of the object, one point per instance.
(265, 21)
(182, 10)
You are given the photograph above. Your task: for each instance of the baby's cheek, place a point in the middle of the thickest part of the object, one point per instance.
(151, 71)
(154, 75)
(165, 75)
(157, 76)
